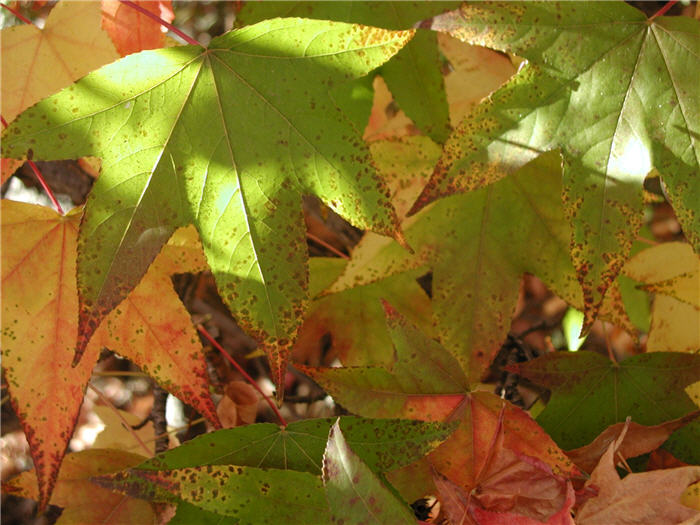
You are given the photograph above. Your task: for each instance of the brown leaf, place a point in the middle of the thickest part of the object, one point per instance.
(239, 406)
(640, 440)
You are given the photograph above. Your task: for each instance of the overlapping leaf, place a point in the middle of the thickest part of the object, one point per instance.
(355, 494)
(39, 331)
(615, 91)
(413, 75)
(672, 272)
(226, 138)
(132, 31)
(590, 393)
(83, 502)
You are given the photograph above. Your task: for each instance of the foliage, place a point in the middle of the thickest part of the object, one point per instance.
(471, 166)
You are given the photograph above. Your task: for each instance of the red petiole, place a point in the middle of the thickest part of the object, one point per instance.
(664, 9)
(17, 14)
(238, 367)
(187, 38)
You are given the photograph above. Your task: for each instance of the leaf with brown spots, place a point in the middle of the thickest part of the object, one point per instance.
(590, 393)
(615, 91)
(227, 138)
(132, 31)
(84, 502)
(355, 493)
(252, 495)
(413, 76)
(383, 445)
(39, 330)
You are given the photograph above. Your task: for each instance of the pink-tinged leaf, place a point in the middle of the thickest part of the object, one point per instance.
(641, 439)
(647, 498)
(132, 31)
(355, 493)
(153, 329)
(39, 327)
(83, 502)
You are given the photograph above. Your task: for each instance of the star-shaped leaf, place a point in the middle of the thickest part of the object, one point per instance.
(617, 92)
(590, 393)
(413, 75)
(227, 138)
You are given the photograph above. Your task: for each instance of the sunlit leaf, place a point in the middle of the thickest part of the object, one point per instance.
(132, 31)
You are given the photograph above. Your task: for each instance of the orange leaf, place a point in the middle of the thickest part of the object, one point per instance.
(153, 329)
(132, 31)
(39, 329)
(84, 502)
(652, 498)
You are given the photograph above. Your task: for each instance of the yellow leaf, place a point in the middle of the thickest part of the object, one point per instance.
(115, 435)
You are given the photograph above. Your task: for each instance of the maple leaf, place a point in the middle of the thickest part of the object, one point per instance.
(494, 235)
(651, 498)
(82, 500)
(672, 272)
(412, 75)
(590, 393)
(132, 31)
(39, 331)
(227, 138)
(38, 62)
(354, 318)
(355, 494)
(617, 92)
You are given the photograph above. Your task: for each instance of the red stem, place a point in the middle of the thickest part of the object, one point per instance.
(17, 14)
(243, 372)
(664, 9)
(187, 38)
(43, 183)
(327, 246)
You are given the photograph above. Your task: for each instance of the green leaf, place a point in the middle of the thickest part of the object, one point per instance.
(413, 75)
(252, 495)
(383, 445)
(615, 91)
(478, 246)
(355, 494)
(590, 393)
(227, 138)
(187, 514)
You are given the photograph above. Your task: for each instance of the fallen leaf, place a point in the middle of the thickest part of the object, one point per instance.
(132, 31)
(641, 439)
(355, 494)
(651, 498)
(239, 406)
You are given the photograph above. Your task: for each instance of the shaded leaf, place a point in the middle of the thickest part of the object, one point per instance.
(672, 272)
(641, 439)
(239, 406)
(382, 444)
(39, 331)
(629, 82)
(651, 498)
(355, 494)
(205, 158)
(590, 393)
(84, 502)
(132, 31)
(413, 75)
(251, 495)
(116, 436)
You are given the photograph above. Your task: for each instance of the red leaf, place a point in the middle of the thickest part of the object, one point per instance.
(132, 31)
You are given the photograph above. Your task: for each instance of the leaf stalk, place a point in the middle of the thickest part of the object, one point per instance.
(187, 38)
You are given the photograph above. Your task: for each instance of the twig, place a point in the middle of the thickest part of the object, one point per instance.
(17, 14)
(327, 246)
(160, 424)
(121, 418)
(245, 374)
(187, 38)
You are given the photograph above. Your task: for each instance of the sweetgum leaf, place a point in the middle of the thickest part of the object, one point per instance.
(615, 91)
(413, 75)
(590, 393)
(84, 502)
(252, 495)
(382, 444)
(132, 31)
(355, 494)
(39, 328)
(227, 138)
